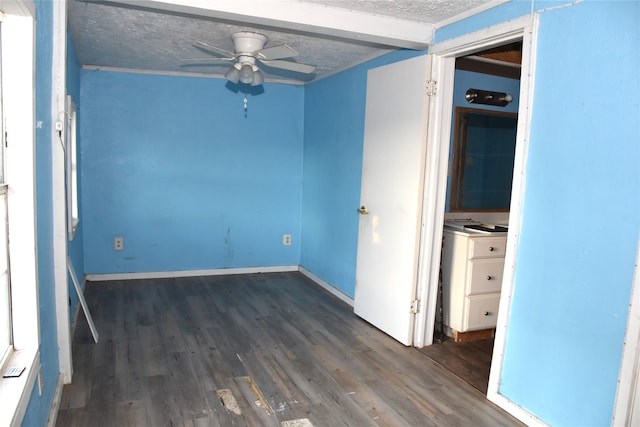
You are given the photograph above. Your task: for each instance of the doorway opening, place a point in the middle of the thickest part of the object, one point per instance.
(479, 184)
(439, 140)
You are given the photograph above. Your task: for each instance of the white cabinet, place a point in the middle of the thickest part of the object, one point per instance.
(472, 265)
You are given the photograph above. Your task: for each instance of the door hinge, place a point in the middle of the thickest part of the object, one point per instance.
(415, 306)
(431, 87)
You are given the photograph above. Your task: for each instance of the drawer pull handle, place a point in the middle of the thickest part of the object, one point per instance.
(491, 249)
(488, 277)
(485, 313)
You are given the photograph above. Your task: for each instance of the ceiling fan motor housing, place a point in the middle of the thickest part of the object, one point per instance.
(247, 43)
(249, 49)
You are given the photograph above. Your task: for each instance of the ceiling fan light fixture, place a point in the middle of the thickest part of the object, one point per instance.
(246, 73)
(233, 74)
(258, 78)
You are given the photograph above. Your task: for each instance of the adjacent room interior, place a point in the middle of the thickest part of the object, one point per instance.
(477, 210)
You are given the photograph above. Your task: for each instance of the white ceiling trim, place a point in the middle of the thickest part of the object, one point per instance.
(300, 16)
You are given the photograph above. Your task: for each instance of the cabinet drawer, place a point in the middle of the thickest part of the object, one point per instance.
(485, 248)
(485, 275)
(482, 311)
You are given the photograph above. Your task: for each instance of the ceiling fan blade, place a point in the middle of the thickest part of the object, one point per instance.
(201, 65)
(276, 52)
(290, 65)
(209, 59)
(214, 50)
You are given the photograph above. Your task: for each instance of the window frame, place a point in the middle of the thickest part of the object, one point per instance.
(18, 50)
(5, 350)
(71, 160)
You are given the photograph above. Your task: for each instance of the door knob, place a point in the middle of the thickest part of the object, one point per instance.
(363, 210)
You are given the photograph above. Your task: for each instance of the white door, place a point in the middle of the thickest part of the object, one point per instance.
(391, 196)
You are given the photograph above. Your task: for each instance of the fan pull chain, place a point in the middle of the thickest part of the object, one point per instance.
(245, 103)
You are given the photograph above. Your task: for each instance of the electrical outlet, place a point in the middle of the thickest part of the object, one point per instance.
(118, 243)
(286, 239)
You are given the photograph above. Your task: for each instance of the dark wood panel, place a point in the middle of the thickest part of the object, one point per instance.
(276, 344)
(495, 69)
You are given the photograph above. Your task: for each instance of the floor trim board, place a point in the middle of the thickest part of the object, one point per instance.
(55, 404)
(189, 273)
(515, 410)
(327, 286)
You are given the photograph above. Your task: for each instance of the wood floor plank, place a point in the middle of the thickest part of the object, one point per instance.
(187, 391)
(280, 393)
(470, 361)
(352, 384)
(131, 413)
(169, 347)
(255, 400)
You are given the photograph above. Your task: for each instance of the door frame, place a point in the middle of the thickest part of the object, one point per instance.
(58, 189)
(435, 186)
(627, 403)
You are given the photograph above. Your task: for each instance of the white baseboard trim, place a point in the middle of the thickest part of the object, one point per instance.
(516, 410)
(327, 286)
(55, 405)
(189, 273)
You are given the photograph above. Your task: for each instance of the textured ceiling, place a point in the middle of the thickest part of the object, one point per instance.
(430, 11)
(151, 36)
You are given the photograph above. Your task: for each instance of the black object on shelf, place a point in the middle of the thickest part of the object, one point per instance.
(492, 229)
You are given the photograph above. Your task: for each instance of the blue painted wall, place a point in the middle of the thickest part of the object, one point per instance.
(581, 214)
(39, 405)
(464, 80)
(176, 167)
(333, 138)
(147, 138)
(75, 247)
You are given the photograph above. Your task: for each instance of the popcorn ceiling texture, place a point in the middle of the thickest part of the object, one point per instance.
(117, 37)
(430, 11)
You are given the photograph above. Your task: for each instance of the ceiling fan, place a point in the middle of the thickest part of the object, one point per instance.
(249, 50)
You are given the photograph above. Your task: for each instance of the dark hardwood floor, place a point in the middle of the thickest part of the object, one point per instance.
(252, 350)
(471, 361)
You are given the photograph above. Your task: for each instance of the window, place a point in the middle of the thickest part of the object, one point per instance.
(71, 166)
(17, 209)
(5, 289)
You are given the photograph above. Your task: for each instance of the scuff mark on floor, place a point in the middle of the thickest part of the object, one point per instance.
(261, 402)
(302, 422)
(228, 401)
